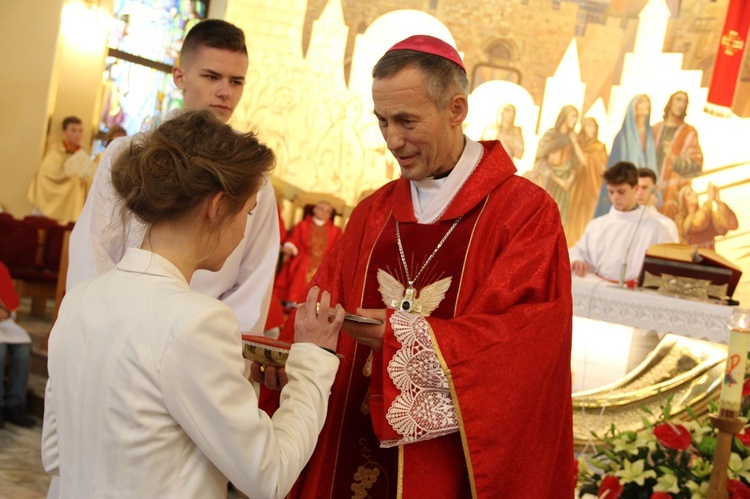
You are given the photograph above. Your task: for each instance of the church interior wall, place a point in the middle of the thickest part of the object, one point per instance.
(308, 95)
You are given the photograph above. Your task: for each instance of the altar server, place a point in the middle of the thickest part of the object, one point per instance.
(614, 245)
(146, 395)
(211, 74)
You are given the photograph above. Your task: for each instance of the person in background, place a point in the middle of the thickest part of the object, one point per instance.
(465, 264)
(699, 224)
(591, 166)
(678, 152)
(614, 245)
(634, 143)
(646, 197)
(211, 74)
(146, 395)
(114, 132)
(305, 247)
(15, 345)
(507, 132)
(58, 189)
(558, 158)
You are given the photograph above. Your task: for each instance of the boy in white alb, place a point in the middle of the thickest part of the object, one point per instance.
(646, 197)
(613, 246)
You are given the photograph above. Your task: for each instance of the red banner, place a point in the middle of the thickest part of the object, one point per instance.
(728, 61)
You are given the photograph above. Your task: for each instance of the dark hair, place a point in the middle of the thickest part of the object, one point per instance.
(114, 132)
(443, 79)
(166, 173)
(213, 33)
(647, 173)
(621, 172)
(70, 120)
(669, 104)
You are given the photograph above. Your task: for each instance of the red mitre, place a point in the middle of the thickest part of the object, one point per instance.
(430, 45)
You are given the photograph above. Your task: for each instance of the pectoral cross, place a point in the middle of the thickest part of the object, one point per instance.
(408, 303)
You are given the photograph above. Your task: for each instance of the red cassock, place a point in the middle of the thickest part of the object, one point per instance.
(8, 295)
(502, 335)
(313, 242)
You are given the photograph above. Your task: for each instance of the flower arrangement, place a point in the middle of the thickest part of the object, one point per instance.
(667, 459)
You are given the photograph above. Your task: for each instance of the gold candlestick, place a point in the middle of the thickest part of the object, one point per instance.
(730, 400)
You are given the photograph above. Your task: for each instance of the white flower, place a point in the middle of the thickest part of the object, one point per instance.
(667, 483)
(738, 467)
(698, 491)
(633, 472)
(646, 439)
(698, 431)
(622, 443)
(701, 467)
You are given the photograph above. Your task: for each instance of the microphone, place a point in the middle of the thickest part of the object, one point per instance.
(624, 269)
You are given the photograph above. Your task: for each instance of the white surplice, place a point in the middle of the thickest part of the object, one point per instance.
(605, 243)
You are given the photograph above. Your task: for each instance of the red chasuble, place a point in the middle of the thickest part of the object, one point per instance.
(313, 242)
(502, 337)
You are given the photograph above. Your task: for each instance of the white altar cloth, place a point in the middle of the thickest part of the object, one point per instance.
(597, 299)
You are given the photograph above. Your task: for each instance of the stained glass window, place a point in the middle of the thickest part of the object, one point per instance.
(145, 38)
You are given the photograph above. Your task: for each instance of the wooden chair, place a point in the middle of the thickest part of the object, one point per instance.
(61, 281)
(304, 202)
(31, 249)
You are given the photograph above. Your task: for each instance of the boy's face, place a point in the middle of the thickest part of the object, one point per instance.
(73, 134)
(212, 79)
(623, 196)
(644, 191)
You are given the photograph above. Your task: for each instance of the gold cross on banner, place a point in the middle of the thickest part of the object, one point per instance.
(732, 43)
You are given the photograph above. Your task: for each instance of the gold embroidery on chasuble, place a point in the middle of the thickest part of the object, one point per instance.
(366, 474)
(318, 244)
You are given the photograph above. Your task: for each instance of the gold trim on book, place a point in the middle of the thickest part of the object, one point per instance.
(689, 287)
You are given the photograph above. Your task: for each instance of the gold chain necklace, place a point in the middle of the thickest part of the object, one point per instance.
(406, 303)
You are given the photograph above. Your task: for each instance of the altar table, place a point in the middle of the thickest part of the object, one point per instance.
(597, 299)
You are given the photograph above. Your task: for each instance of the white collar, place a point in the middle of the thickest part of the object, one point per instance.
(447, 187)
(626, 215)
(140, 261)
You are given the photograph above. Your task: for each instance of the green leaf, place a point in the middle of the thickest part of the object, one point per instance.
(692, 413)
(666, 470)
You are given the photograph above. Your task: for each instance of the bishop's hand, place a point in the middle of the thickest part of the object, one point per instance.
(370, 335)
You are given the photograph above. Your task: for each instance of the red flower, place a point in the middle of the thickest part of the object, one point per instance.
(744, 437)
(673, 436)
(661, 495)
(746, 387)
(610, 486)
(738, 490)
